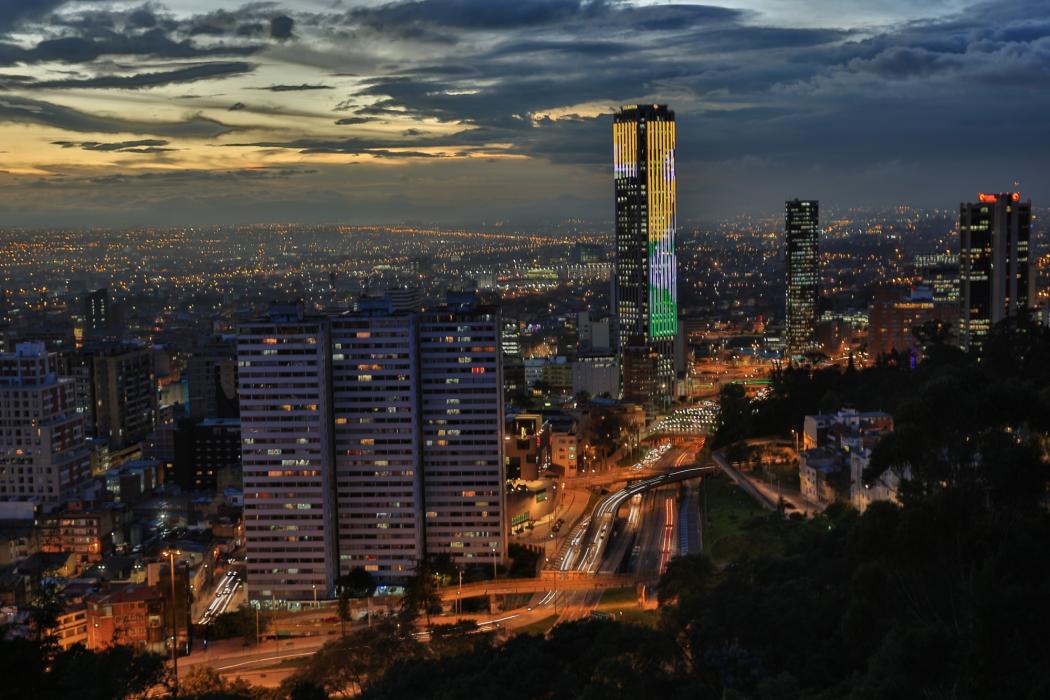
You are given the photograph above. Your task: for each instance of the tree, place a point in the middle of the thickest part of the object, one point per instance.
(421, 594)
(346, 666)
(357, 583)
(204, 683)
(239, 623)
(457, 638)
(115, 672)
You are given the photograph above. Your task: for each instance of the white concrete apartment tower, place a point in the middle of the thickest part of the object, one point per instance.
(375, 367)
(372, 439)
(286, 454)
(462, 411)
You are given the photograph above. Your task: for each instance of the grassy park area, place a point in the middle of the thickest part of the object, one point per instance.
(736, 526)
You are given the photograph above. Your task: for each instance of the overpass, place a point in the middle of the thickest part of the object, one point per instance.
(548, 581)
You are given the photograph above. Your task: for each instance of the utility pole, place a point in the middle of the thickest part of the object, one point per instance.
(174, 625)
(459, 594)
(258, 638)
(276, 638)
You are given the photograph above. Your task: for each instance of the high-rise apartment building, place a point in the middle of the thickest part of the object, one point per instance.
(801, 223)
(393, 450)
(287, 454)
(996, 275)
(124, 391)
(461, 404)
(645, 292)
(44, 457)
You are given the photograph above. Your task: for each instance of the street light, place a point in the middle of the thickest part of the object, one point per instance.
(170, 554)
(314, 586)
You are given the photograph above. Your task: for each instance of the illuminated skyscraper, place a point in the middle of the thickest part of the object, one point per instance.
(645, 293)
(996, 279)
(803, 273)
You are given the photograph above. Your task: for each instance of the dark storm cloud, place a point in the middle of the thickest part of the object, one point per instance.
(178, 177)
(588, 48)
(25, 110)
(401, 17)
(146, 146)
(281, 27)
(407, 145)
(199, 71)
(78, 49)
(293, 88)
(14, 12)
(470, 14)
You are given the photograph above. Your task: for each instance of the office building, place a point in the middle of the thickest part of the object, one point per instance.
(939, 272)
(510, 339)
(211, 378)
(207, 454)
(897, 321)
(645, 293)
(802, 228)
(382, 429)
(996, 271)
(44, 457)
(103, 320)
(96, 313)
(596, 375)
(593, 336)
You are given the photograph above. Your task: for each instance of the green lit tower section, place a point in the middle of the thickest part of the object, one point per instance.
(645, 286)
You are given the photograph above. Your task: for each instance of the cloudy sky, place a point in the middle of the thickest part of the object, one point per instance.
(470, 111)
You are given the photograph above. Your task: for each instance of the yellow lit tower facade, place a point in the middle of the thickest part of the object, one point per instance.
(645, 293)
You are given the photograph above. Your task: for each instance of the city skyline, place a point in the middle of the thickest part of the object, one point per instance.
(187, 112)
(452, 349)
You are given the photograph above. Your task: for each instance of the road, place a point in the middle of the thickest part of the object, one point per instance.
(589, 541)
(226, 592)
(571, 586)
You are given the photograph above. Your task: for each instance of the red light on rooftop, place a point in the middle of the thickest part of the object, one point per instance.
(987, 198)
(1016, 196)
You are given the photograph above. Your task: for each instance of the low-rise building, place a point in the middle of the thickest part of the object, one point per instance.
(131, 615)
(71, 626)
(836, 451)
(527, 447)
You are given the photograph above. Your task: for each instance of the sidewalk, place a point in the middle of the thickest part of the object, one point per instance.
(767, 496)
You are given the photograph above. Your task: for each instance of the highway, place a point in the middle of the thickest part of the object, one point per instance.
(571, 586)
(589, 540)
